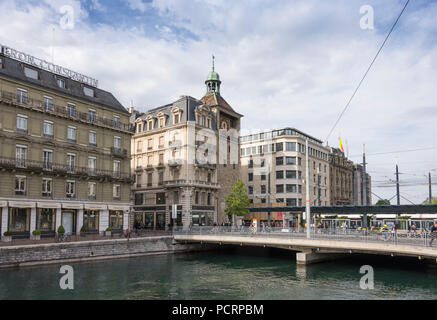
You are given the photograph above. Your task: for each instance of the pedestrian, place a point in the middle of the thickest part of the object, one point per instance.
(433, 233)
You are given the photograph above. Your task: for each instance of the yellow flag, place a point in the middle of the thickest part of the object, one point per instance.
(341, 145)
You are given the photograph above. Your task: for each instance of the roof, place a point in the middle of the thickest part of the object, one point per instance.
(215, 99)
(47, 80)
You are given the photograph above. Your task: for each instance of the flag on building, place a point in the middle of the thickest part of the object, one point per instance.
(341, 145)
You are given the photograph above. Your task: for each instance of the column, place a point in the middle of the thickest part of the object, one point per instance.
(79, 220)
(32, 220)
(5, 219)
(58, 219)
(103, 220)
(186, 208)
(126, 220)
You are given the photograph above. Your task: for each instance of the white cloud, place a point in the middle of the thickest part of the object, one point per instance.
(282, 64)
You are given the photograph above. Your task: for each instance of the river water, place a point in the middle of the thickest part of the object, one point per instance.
(243, 273)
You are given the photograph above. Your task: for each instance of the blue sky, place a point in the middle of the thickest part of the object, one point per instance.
(300, 60)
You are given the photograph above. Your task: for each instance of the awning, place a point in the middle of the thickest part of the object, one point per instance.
(22, 204)
(66, 205)
(90, 206)
(49, 205)
(118, 208)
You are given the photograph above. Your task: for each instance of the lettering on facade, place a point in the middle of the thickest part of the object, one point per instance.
(48, 66)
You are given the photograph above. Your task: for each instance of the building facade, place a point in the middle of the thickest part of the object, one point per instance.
(65, 156)
(185, 154)
(358, 194)
(341, 172)
(281, 153)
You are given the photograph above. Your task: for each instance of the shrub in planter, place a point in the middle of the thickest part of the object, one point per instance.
(36, 235)
(108, 231)
(7, 236)
(61, 229)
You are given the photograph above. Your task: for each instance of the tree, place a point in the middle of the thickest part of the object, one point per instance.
(237, 201)
(383, 202)
(434, 201)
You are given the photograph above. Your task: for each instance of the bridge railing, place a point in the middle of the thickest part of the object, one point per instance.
(422, 239)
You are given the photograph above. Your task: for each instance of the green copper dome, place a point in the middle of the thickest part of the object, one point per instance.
(214, 76)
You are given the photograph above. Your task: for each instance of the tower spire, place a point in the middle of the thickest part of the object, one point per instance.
(213, 80)
(213, 62)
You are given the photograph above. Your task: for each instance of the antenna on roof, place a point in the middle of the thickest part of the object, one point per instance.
(53, 45)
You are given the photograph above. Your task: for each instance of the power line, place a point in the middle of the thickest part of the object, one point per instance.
(368, 69)
(399, 151)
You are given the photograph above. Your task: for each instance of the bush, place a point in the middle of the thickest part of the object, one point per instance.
(82, 229)
(36, 232)
(61, 229)
(108, 229)
(7, 234)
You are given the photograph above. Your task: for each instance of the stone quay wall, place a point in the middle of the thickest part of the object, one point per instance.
(28, 255)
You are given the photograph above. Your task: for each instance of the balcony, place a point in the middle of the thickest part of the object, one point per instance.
(191, 183)
(206, 165)
(118, 152)
(57, 169)
(61, 111)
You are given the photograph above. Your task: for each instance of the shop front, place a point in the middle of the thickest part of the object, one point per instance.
(203, 218)
(19, 219)
(116, 221)
(68, 220)
(46, 218)
(91, 221)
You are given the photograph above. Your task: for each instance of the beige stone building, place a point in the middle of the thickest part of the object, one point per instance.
(282, 154)
(341, 177)
(65, 156)
(185, 154)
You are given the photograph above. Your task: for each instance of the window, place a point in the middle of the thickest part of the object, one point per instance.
(161, 122)
(291, 188)
(290, 146)
(48, 129)
(161, 142)
(92, 162)
(117, 169)
(291, 174)
(91, 115)
(21, 155)
(139, 127)
(209, 199)
(88, 92)
(279, 161)
(139, 144)
(300, 188)
(299, 174)
(279, 188)
(279, 200)
(31, 73)
(161, 159)
(290, 160)
(71, 160)
(263, 200)
(47, 159)
(299, 161)
(20, 185)
(46, 187)
(250, 190)
(160, 178)
(116, 191)
(150, 161)
(291, 202)
(92, 138)
(21, 96)
(149, 179)
(280, 174)
(279, 146)
(263, 176)
(21, 123)
(160, 198)
(117, 142)
(263, 189)
(263, 162)
(176, 118)
(92, 190)
(139, 198)
(91, 220)
(48, 104)
(150, 144)
(70, 191)
(116, 121)
(61, 83)
(71, 110)
(250, 164)
(71, 134)
(250, 176)
(150, 125)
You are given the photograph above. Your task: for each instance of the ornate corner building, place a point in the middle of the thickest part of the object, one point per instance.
(185, 154)
(65, 155)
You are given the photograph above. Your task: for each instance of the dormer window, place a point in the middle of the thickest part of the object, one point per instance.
(61, 83)
(31, 73)
(176, 118)
(150, 125)
(161, 122)
(88, 92)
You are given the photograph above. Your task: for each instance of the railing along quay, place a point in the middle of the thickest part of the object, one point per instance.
(422, 239)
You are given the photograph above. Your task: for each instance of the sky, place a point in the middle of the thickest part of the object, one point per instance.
(282, 63)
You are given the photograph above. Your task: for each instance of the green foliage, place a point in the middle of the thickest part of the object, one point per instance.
(82, 229)
(383, 202)
(7, 234)
(36, 232)
(404, 217)
(237, 201)
(434, 201)
(108, 229)
(61, 229)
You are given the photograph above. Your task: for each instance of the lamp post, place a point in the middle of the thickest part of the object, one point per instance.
(307, 187)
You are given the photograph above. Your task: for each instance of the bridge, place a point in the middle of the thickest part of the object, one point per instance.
(323, 244)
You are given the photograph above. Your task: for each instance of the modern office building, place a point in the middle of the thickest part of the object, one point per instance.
(358, 194)
(341, 172)
(65, 156)
(185, 154)
(281, 153)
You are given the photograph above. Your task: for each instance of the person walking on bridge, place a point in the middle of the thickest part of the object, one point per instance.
(433, 233)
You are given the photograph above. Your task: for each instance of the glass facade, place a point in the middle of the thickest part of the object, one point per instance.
(19, 219)
(91, 220)
(203, 218)
(116, 220)
(45, 220)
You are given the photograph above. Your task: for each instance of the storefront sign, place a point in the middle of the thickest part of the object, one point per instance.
(48, 66)
(118, 208)
(48, 205)
(96, 206)
(22, 204)
(72, 206)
